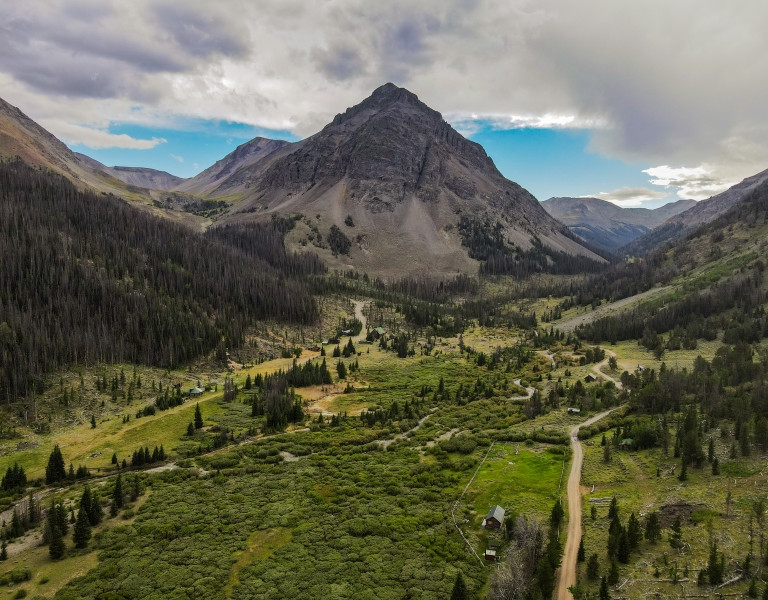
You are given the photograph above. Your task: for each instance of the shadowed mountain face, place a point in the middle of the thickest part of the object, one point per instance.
(607, 226)
(396, 180)
(703, 212)
(151, 179)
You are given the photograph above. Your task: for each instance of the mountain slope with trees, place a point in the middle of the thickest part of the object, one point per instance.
(91, 279)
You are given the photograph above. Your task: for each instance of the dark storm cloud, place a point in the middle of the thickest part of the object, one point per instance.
(200, 33)
(341, 63)
(82, 50)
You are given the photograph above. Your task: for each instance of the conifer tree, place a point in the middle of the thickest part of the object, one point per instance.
(56, 549)
(198, 417)
(581, 555)
(135, 488)
(593, 567)
(55, 470)
(3, 551)
(613, 574)
(613, 510)
(676, 536)
(33, 510)
(652, 528)
(604, 594)
(95, 512)
(117, 496)
(85, 499)
(460, 591)
(82, 533)
(634, 533)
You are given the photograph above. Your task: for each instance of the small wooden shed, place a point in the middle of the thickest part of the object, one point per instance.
(494, 518)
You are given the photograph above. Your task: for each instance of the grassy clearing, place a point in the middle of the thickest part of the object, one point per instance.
(522, 479)
(630, 354)
(632, 477)
(83, 445)
(259, 546)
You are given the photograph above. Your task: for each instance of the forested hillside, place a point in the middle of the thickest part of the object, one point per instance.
(87, 278)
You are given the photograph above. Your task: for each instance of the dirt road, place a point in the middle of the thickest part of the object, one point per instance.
(606, 309)
(567, 575)
(599, 373)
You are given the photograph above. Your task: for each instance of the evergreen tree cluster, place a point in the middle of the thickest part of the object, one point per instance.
(14, 480)
(278, 401)
(168, 399)
(89, 279)
(143, 456)
(26, 515)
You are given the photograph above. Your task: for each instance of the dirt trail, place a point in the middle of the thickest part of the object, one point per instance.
(596, 369)
(567, 575)
(359, 304)
(606, 309)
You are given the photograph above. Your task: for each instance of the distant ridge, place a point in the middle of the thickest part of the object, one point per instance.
(703, 212)
(139, 176)
(606, 225)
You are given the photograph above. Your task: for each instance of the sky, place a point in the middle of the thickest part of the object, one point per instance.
(638, 103)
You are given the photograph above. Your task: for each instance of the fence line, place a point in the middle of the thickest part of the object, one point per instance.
(458, 500)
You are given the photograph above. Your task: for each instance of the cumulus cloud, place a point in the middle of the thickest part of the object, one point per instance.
(664, 83)
(99, 138)
(694, 183)
(628, 197)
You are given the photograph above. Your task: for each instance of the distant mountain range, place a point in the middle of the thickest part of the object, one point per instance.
(703, 212)
(606, 225)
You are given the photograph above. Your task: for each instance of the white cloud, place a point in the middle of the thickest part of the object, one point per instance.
(98, 138)
(628, 197)
(472, 123)
(175, 157)
(663, 83)
(694, 183)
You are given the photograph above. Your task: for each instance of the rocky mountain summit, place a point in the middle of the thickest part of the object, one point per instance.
(392, 176)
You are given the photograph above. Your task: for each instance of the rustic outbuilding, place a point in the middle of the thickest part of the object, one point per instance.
(494, 518)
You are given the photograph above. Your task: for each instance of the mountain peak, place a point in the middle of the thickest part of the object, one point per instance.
(386, 98)
(389, 93)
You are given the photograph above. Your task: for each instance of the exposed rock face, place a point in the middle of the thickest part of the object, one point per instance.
(244, 155)
(607, 226)
(403, 176)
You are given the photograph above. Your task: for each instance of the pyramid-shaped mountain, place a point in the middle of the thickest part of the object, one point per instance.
(397, 181)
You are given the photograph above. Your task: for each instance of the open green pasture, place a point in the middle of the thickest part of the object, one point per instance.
(524, 480)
